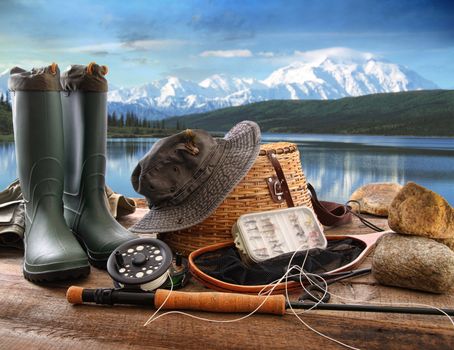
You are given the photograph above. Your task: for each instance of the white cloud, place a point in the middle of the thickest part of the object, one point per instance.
(266, 54)
(332, 52)
(145, 45)
(227, 53)
(95, 47)
(135, 45)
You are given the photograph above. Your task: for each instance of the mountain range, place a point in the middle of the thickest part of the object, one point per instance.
(333, 75)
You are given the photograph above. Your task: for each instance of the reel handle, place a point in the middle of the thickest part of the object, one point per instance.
(219, 302)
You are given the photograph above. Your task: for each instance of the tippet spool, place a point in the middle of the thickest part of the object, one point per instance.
(141, 264)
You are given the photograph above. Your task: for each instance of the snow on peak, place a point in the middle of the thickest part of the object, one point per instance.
(217, 82)
(340, 72)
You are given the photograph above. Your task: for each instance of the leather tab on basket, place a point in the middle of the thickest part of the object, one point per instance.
(285, 191)
(329, 213)
(275, 188)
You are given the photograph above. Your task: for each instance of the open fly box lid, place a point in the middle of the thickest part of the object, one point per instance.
(265, 235)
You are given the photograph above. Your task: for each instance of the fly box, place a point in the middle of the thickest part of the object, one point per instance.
(264, 235)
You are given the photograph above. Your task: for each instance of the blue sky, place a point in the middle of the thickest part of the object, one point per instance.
(142, 41)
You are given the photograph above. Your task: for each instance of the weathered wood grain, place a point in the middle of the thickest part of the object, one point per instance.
(38, 317)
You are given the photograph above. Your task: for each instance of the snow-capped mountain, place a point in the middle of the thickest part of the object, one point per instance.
(323, 74)
(330, 74)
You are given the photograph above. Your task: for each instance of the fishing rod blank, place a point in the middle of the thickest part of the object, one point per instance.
(371, 308)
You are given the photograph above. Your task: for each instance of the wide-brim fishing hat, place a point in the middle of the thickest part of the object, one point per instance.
(186, 176)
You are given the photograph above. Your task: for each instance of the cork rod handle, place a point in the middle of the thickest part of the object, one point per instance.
(219, 302)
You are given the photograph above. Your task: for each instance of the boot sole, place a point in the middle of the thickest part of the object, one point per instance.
(59, 275)
(98, 263)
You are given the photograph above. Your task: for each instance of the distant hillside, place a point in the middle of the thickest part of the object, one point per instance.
(422, 113)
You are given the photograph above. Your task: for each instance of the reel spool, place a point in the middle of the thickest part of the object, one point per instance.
(145, 264)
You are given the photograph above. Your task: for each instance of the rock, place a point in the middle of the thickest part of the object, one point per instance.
(413, 262)
(375, 198)
(418, 211)
(447, 241)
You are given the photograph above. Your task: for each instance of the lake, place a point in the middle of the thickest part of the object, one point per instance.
(335, 164)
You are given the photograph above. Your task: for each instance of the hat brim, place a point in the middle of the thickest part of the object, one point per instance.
(241, 148)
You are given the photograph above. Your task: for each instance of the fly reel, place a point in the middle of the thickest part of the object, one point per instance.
(145, 264)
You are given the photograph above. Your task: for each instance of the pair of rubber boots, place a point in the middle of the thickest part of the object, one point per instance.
(60, 130)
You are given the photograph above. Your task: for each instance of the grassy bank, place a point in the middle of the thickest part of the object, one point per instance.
(7, 138)
(130, 132)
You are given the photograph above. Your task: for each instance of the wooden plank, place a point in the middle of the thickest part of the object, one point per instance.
(38, 317)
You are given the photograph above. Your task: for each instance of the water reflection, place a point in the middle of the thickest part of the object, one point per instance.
(335, 166)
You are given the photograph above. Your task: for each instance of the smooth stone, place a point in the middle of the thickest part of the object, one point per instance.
(419, 211)
(375, 198)
(447, 241)
(413, 262)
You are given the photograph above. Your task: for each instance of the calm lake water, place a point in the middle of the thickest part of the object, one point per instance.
(335, 164)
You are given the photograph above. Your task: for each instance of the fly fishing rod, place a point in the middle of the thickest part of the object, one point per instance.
(224, 302)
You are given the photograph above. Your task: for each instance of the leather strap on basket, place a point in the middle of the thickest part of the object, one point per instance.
(281, 180)
(329, 213)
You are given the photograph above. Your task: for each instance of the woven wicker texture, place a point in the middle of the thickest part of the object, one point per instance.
(250, 195)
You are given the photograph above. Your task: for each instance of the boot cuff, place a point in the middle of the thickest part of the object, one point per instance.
(85, 78)
(37, 79)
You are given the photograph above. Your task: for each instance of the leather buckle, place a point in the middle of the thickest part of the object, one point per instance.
(275, 188)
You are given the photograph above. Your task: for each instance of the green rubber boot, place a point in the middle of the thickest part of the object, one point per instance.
(51, 251)
(84, 101)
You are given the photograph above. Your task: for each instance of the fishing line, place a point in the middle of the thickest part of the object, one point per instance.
(267, 291)
(325, 290)
(301, 269)
(264, 291)
(361, 218)
(165, 300)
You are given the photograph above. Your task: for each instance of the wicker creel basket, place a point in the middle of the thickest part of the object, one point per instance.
(252, 194)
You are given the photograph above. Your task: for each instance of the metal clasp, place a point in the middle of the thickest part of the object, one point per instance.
(275, 188)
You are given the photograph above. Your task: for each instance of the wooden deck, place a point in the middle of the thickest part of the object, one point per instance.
(38, 317)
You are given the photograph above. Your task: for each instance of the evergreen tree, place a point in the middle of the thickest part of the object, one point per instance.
(113, 119)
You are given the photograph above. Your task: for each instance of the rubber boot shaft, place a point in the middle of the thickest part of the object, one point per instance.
(86, 206)
(51, 251)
